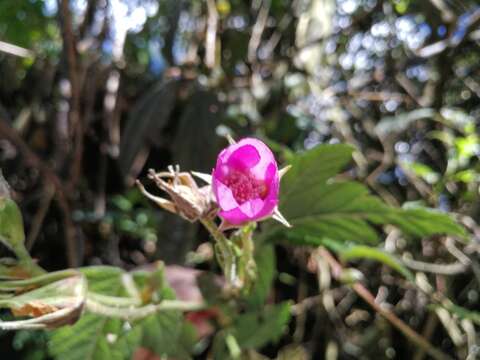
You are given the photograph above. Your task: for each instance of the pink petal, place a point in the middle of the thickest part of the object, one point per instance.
(269, 205)
(224, 196)
(272, 180)
(244, 157)
(251, 208)
(266, 158)
(235, 216)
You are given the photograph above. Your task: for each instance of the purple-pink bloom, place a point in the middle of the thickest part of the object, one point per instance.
(246, 182)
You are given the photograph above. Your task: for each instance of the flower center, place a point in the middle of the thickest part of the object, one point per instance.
(245, 187)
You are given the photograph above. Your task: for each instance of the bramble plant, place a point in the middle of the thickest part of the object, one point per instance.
(114, 312)
(245, 184)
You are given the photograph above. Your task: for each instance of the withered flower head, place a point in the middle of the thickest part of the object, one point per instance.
(187, 199)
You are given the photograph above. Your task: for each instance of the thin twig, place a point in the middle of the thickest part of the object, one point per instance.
(257, 32)
(442, 269)
(69, 44)
(428, 331)
(366, 295)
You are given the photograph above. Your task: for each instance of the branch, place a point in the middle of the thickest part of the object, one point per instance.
(70, 47)
(15, 50)
(257, 32)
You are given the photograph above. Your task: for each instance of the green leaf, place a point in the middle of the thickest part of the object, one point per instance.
(92, 337)
(265, 260)
(12, 234)
(104, 279)
(371, 253)
(97, 337)
(338, 211)
(315, 167)
(252, 330)
(422, 222)
(11, 225)
(319, 208)
(256, 329)
(163, 333)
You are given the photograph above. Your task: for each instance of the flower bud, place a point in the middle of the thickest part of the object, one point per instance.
(246, 182)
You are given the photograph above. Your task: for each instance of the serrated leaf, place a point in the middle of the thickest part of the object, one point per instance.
(421, 222)
(103, 279)
(315, 167)
(320, 208)
(90, 338)
(97, 337)
(87, 340)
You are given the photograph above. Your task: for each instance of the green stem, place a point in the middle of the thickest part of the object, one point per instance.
(246, 263)
(37, 281)
(114, 301)
(225, 252)
(135, 313)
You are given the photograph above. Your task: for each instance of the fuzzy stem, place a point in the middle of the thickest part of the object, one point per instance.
(134, 313)
(225, 253)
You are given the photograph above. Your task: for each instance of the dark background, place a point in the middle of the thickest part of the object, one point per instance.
(95, 92)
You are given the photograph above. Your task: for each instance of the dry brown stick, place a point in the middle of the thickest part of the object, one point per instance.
(301, 315)
(366, 295)
(428, 331)
(32, 159)
(69, 44)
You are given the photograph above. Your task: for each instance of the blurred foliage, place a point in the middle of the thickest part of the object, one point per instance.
(162, 82)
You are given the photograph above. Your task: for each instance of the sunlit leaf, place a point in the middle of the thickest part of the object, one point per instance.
(318, 207)
(371, 253)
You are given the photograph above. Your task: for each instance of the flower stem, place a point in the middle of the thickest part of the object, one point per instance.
(225, 253)
(134, 313)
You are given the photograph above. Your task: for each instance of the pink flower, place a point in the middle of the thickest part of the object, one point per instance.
(246, 182)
